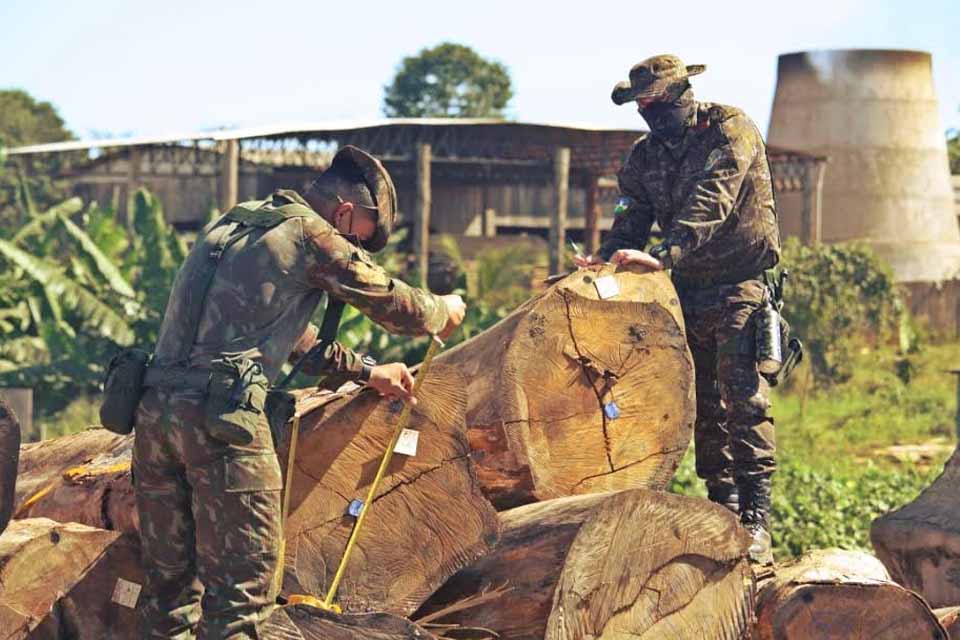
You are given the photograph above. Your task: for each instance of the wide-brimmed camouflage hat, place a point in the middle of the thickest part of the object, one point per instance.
(653, 78)
(353, 160)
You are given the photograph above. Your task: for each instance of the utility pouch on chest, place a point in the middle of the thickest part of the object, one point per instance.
(235, 400)
(122, 390)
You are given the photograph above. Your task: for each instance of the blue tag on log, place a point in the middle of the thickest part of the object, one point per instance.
(611, 410)
(356, 506)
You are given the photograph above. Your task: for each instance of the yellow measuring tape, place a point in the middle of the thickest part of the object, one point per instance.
(405, 414)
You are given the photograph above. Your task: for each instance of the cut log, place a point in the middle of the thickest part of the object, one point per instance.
(539, 382)
(9, 455)
(60, 581)
(428, 519)
(637, 564)
(920, 542)
(949, 617)
(84, 478)
(307, 623)
(846, 595)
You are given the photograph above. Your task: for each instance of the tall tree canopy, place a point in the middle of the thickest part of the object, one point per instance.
(448, 81)
(24, 120)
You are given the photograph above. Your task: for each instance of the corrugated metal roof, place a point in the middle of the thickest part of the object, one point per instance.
(298, 130)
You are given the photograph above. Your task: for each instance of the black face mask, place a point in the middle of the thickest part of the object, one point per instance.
(669, 119)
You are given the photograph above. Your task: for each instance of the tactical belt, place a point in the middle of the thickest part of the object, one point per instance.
(177, 378)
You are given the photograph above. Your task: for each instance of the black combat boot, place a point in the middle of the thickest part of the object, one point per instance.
(724, 492)
(754, 514)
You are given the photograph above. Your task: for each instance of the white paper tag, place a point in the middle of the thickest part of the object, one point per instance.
(407, 443)
(607, 287)
(126, 593)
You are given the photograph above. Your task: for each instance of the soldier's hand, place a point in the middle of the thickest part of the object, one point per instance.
(637, 258)
(456, 309)
(586, 261)
(393, 380)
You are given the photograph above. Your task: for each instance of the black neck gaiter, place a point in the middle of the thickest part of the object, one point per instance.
(669, 119)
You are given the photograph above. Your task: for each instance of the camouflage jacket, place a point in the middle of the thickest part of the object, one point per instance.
(711, 195)
(269, 284)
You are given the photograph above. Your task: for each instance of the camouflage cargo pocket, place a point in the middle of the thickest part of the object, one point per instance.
(236, 396)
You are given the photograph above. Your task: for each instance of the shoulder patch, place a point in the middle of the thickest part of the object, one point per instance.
(715, 157)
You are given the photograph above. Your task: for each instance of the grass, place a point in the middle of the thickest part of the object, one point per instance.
(836, 472)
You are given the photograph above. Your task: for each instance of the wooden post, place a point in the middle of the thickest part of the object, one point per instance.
(558, 221)
(230, 175)
(489, 223)
(20, 400)
(810, 221)
(592, 215)
(133, 181)
(421, 212)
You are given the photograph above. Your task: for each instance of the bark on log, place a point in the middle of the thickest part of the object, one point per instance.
(949, 617)
(428, 520)
(638, 564)
(58, 581)
(538, 382)
(838, 594)
(920, 542)
(9, 455)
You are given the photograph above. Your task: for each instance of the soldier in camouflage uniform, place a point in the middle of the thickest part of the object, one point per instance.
(209, 510)
(702, 174)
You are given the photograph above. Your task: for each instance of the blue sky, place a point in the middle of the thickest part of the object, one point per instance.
(174, 66)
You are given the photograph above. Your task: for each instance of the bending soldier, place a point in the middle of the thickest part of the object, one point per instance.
(702, 174)
(206, 474)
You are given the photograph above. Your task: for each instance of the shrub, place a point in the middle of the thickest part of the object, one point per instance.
(838, 298)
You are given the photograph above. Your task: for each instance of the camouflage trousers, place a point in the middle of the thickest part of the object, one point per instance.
(734, 433)
(209, 523)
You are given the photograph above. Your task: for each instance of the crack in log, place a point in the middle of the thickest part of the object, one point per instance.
(105, 508)
(376, 499)
(662, 452)
(582, 358)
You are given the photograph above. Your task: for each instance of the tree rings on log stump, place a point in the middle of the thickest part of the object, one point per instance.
(428, 519)
(920, 542)
(308, 623)
(845, 595)
(575, 394)
(638, 564)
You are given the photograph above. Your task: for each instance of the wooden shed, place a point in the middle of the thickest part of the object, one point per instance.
(468, 177)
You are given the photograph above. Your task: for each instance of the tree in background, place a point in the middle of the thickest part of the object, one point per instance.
(23, 121)
(448, 81)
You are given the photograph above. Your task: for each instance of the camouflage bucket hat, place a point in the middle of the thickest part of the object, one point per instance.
(654, 77)
(353, 160)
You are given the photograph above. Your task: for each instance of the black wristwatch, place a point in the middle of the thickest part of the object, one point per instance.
(367, 368)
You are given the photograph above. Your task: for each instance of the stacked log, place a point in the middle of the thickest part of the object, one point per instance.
(920, 542)
(61, 581)
(428, 520)
(840, 594)
(9, 457)
(540, 380)
(571, 394)
(638, 563)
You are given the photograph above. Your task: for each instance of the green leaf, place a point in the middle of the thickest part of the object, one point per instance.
(39, 221)
(110, 273)
(59, 289)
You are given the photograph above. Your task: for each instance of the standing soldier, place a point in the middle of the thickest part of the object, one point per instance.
(206, 474)
(702, 174)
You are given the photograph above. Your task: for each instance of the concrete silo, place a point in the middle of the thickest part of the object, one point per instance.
(874, 113)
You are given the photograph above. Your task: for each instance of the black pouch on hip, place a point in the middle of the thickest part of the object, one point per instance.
(122, 390)
(235, 400)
